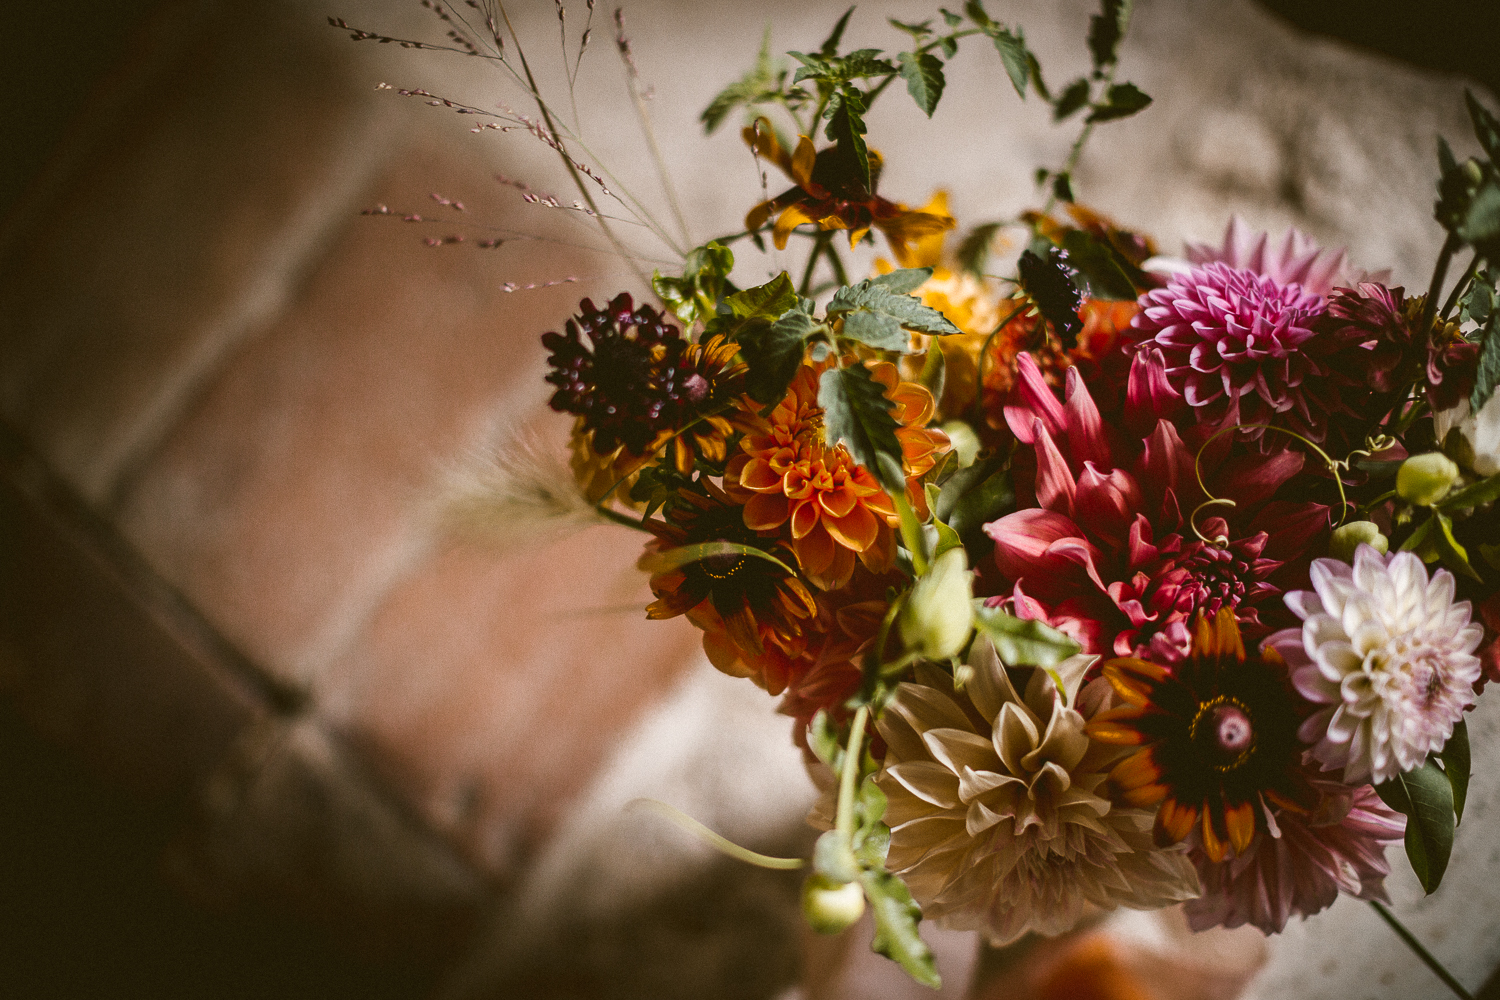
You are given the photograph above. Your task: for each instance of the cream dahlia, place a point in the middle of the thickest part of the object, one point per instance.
(1389, 654)
(999, 812)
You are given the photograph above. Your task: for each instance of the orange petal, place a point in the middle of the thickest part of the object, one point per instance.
(1219, 638)
(804, 518)
(1215, 848)
(1146, 796)
(857, 531)
(1111, 732)
(765, 512)
(803, 161)
(758, 475)
(815, 551)
(1241, 822)
(1173, 821)
(839, 502)
(793, 217)
(1135, 771)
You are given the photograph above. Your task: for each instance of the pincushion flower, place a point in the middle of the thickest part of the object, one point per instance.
(999, 816)
(834, 510)
(1218, 733)
(1300, 863)
(1106, 553)
(1389, 654)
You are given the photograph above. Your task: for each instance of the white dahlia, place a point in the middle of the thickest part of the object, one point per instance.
(1391, 656)
(998, 810)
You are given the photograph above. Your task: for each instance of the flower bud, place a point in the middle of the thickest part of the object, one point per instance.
(965, 442)
(1348, 537)
(1423, 480)
(939, 611)
(830, 907)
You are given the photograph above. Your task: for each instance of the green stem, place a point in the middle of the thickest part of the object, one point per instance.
(1458, 289)
(1426, 956)
(875, 91)
(812, 262)
(844, 824)
(717, 841)
(1076, 151)
(911, 533)
(1429, 310)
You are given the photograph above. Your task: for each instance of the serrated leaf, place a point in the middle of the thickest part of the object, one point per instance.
(761, 83)
(1121, 101)
(977, 13)
(830, 44)
(1074, 96)
(951, 19)
(896, 919)
(872, 844)
(770, 300)
(1487, 374)
(857, 414)
(1035, 69)
(1480, 227)
(1486, 127)
(947, 539)
(1479, 301)
(1015, 57)
(881, 331)
(916, 30)
(903, 281)
(907, 310)
(923, 74)
(1106, 29)
(1022, 642)
(1456, 763)
(975, 496)
(1425, 797)
(846, 128)
(773, 352)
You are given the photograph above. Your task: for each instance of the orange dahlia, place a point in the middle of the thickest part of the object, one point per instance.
(789, 477)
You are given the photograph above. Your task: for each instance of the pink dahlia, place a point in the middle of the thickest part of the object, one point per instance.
(1389, 654)
(1301, 863)
(1241, 336)
(1106, 554)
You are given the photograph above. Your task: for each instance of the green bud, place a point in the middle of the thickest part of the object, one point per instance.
(965, 442)
(1473, 172)
(830, 907)
(939, 611)
(1423, 480)
(1348, 537)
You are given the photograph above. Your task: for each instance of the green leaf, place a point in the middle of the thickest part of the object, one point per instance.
(934, 374)
(1478, 301)
(923, 74)
(1486, 127)
(974, 250)
(1035, 69)
(833, 858)
(1121, 101)
(773, 352)
(1425, 798)
(896, 919)
(1100, 265)
(975, 496)
(823, 739)
(917, 31)
(846, 127)
(854, 66)
(1487, 375)
(947, 539)
(1455, 556)
(857, 414)
(1455, 758)
(951, 19)
(762, 83)
(872, 296)
(1474, 495)
(1015, 56)
(881, 331)
(661, 562)
(1106, 29)
(903, 281)
(695, 295)
(771, 300)
(830, 46)
(1022, 642)
(1074, 96)
(977, 14)
(1480, 227)
(1062, 187)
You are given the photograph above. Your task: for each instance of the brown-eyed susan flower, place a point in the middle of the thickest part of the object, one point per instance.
(1218, 737)
(752, 610)
(790, 478)
(831, 199)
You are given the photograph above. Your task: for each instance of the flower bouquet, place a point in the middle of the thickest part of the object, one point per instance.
(1090, 577)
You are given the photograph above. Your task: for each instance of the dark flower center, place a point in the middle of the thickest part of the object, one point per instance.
(1225, 732)
(725, 567)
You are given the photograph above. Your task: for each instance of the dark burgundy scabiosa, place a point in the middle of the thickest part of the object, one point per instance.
(641, 381)
(1050, 283)
(1218, 738)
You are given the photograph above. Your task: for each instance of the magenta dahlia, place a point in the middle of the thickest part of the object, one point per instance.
(1106, 554)
(1300, 863)
(1241, 336)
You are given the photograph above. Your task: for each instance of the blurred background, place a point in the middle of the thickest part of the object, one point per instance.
(266, 730)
